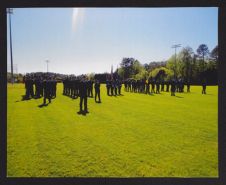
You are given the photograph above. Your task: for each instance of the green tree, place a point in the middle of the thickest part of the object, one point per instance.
(202, 52)
(126, 67)
(214, 57)
(161, 73)
(175, 67)
(186, 63)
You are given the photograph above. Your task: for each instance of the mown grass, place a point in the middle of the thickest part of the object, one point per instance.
(125, 136)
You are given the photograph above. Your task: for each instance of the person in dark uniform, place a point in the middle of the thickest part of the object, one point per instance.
(157, 87)
(91, 88)
(173, 87)
(112, 87)
(167, 86)
(188, 86)
(46, 88)
(54, 85)
(97, 91)
(204, 86)
(162, 85)
(152, 86)
(119, 87)
(31, 89)
(83, 95)
(115, 87)
(108, 87)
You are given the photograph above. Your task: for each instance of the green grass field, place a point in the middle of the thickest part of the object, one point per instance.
(134, 135)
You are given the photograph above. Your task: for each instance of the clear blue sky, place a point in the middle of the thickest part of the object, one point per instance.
(85, 40)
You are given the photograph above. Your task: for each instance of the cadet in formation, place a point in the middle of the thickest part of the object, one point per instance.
(204, 86)
(173, 88)
(83, 96)
(113, 87)
(97, 91)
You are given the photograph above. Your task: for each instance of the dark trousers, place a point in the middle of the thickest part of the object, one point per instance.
(46, 96)
(31, 92)
(112, 91)
(83, 99)
(167, 88)
(115, 91)
(173, 91)
(203, 89)
(188, 88)
(91, 92)
(119, 90)
(97, 93)
(108, 89)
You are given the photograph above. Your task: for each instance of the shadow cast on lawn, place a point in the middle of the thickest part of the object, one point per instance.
(179, 96)
(24, 98)
(43, 105)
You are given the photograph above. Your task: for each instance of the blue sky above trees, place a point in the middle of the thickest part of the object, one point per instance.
(89, 40)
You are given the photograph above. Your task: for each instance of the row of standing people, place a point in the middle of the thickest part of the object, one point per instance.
(152, 86)
(113, 87)
(71, 86)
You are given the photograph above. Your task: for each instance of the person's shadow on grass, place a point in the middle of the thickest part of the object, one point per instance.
(43, 105)
(179, 96)
(24, 98)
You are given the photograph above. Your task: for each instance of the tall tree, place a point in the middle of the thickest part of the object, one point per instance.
(202, 52)
(214, 55)
(127, 65)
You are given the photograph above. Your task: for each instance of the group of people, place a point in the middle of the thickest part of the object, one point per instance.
(155, 86)
(37, 86)
(83, 88)
(113, 87)
(45, 86)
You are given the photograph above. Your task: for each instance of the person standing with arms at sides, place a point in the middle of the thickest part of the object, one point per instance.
(97, 91)
(119, 87)
(112, 87)
(204, 86)
(173, 87)
(157, 87)
(152, 86)
(167, 86)
(83, 96)
(46, 88)
(108, 87)
(188, 86)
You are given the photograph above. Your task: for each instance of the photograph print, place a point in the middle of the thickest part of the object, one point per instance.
(112, 92)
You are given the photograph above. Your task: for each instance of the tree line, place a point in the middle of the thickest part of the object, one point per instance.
(187, 65)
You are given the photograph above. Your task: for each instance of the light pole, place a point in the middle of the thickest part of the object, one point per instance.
(10, 11)
(175, 46)
(47, 62)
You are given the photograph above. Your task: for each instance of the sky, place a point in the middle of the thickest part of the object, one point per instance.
(85, 40)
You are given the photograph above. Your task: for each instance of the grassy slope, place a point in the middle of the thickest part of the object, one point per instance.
(126, 136)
